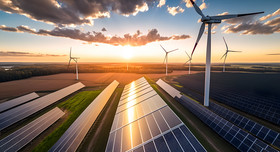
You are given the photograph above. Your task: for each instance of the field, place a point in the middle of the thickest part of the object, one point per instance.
(58, 81)
(73, 107)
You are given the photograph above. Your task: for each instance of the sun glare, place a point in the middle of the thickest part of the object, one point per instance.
(127, 52)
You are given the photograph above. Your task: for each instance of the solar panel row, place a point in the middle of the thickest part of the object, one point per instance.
(144, 121)
(17, 101)
(26, 134)
(262, 109)
(242, 140)
(18, 113)
(260, 131)
(169, 89)
(75, 134)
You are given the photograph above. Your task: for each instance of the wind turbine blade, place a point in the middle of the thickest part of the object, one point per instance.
(224, 55)
(187, 54)
(222, 17)
(70, 51)
(173, 50)
(197, 9)
(163, 48)
(187, 61)
(225, 43)
(199, 36)
(68, 64)
(234, 51)
(164, 59)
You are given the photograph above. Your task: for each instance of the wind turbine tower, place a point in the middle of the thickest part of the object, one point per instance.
(225, 55)
(76, 61)
(210, 20)
(166, 58)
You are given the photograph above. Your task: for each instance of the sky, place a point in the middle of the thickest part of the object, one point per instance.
(132, 31)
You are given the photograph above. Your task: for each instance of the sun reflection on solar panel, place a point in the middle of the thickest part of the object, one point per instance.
(131, 112)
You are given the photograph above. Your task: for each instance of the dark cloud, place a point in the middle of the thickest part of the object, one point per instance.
(257, 27)
(136, 39)
(8, 29)
(27, 54)
(103, 29)
(73, 12)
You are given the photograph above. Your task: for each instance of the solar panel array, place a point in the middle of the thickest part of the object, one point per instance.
(75, 134)
(169, 89)
(18, 113)
(17, 101)
(260, 131)
(264, 107)
(26, 134)
(242, 140)
(144, 122)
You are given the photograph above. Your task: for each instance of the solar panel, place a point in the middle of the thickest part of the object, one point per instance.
(26, 134)
(242, 140)
(253, 127)
(264, 107)
(17, 101)
(18, 113)
(169, 89)
(143, 121)
(75, 134)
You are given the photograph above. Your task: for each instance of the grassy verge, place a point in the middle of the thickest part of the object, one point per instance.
(197, 127)
(75, 106)
(97, 137)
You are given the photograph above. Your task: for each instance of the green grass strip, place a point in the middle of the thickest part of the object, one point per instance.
(75, 106)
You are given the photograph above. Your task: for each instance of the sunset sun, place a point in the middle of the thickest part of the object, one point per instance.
(127, 52)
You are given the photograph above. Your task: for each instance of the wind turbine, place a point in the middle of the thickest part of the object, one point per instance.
(76, 60)
(225, 55)
(189, 61)
(210, 20)
(166, 58)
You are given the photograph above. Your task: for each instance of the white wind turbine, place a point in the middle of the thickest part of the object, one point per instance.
(76, 60)
(166, 58)
(189, 61)
(225, 55)
(210, 20)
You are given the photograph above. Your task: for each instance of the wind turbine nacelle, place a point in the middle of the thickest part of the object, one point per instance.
(208, 19)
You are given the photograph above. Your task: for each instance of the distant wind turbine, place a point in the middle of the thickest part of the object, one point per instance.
(166, 58)
(76, 60)
(225, 55)
(210, 20)
(189, 61)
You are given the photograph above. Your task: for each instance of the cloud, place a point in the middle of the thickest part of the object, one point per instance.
(73, 12)
(175, 10)
(277, 12)
(137, 39)
(274, 54)
(257, 27)
(203, 6)
(103, 29)
(189, 4)
(27, 54)
(161, 3)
